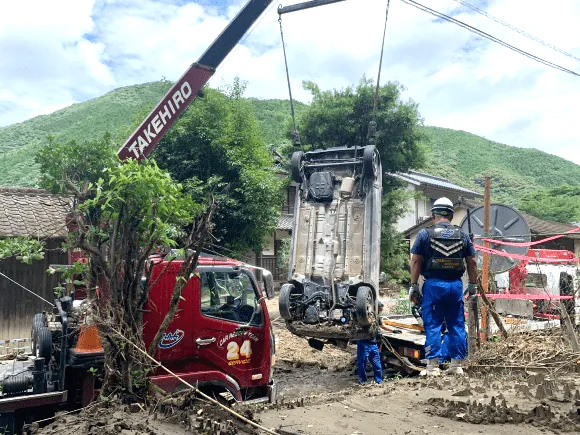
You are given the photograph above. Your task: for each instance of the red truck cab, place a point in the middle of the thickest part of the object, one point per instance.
(221, 338)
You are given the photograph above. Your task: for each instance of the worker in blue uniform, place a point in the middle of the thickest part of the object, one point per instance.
(441, 253)
(368, 350)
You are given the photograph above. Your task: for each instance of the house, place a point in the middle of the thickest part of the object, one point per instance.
(426, 189)
(274, 253)
(38, 214)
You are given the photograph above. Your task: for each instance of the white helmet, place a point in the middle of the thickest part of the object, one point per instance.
(443, 207)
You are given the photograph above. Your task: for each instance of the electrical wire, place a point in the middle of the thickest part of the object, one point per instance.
(515, 29)
(488, 36)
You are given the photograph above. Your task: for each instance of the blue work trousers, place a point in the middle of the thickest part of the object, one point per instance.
(367, 350)
(443, 300)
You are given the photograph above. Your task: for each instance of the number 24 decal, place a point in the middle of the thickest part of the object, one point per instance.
(234, 351)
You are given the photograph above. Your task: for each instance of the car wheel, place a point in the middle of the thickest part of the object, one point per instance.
(370, 161)
(296, 166)
(365, 306)
(286, 305)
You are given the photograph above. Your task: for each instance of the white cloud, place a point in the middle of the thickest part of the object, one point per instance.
(63, 51)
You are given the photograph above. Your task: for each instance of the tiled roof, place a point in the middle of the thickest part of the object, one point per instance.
(285, 222)
(32, 212)
(419, 178)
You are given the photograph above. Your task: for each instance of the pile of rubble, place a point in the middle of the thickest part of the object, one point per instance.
(543, 349)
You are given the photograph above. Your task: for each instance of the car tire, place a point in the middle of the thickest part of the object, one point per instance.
(296, 166)
(370, 161)
(365, 306)
(284, 304)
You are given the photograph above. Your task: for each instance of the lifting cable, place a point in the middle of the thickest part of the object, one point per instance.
(295, 135)
(372, 131)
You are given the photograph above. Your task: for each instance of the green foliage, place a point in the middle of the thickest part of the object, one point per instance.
(275, 119)
(218, 137)
(341, 118)
(560, 204)
(143, 194)
(394, 248)
(74, 274)
(24, 249)
(72, 165)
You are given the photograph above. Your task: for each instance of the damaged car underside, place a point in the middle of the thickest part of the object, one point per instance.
(333, 276)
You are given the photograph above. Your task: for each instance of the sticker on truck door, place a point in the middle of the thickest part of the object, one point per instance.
(170, 339)
(234, 352)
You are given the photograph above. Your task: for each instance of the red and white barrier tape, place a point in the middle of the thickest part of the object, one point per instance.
(537, 242)
(524, 257)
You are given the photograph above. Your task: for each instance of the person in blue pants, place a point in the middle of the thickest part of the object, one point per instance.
(441, 254)
(368, 350)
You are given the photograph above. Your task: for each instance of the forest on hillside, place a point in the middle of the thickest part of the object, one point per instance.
(520, 176)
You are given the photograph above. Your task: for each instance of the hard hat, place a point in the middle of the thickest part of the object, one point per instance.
(443, 206)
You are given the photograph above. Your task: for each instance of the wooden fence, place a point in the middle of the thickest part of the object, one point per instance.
(17, 306)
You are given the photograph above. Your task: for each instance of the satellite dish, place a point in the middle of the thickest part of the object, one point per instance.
(505, 224)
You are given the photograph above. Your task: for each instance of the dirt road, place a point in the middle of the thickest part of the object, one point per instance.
(318, 395)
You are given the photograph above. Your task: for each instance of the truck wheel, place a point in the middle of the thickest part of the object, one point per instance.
(285, 303)
(296, 166)
(38, 321)
(370, 161)
(365, 306)
(43, 343)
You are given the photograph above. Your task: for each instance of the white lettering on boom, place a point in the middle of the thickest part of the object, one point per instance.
(177, 98)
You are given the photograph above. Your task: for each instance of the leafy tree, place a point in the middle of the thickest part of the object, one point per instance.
(341, 117)
(119, 215)
(219, 137)
(560, 204)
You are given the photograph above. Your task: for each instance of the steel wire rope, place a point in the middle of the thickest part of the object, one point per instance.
(488, 36)
(29, 291)
(380, 63)
(515, 29)
(295, 135)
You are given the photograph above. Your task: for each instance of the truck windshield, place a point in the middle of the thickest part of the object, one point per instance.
(230, 296)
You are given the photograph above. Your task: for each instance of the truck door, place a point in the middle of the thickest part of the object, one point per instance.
(231, 327)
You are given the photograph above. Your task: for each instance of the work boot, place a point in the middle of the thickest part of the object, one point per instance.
(455, 367)
(433, 367)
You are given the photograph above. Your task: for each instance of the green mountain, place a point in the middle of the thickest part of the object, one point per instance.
(462, 157)
(466, 158)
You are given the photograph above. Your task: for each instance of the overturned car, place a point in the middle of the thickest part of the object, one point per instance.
(333, 275)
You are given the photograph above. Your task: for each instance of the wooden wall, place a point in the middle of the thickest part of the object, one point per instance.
(17, 306)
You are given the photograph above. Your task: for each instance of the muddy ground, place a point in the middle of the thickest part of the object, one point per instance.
(318, 395)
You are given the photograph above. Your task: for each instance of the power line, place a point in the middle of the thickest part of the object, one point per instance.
(488, 36)
(515, 29)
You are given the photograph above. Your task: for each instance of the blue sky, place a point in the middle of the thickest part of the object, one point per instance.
(53, 54)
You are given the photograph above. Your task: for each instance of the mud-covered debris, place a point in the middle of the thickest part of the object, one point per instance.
(493, 413)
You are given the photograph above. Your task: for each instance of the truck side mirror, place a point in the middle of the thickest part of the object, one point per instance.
(382, 278)
(268, 280)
